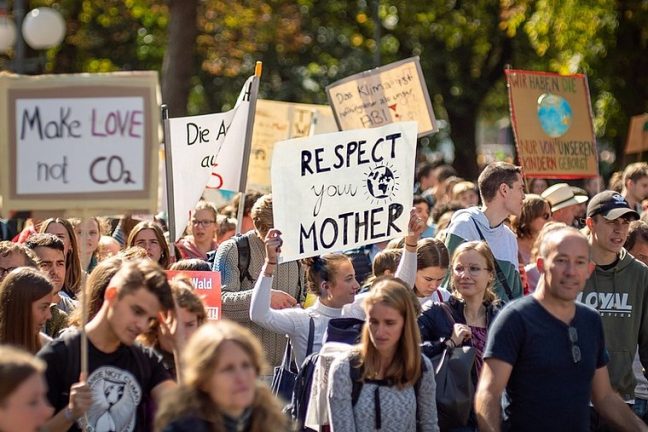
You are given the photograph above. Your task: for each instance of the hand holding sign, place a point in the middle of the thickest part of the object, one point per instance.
(415, 228)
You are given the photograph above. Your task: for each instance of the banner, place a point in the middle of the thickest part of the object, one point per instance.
(277, 121)
(637, 135)
(207, 152)
(552, 123)
(388, 94)
(342, 190)
(206, 285)
(79, 142)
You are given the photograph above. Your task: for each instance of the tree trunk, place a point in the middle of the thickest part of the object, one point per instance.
(178, 63)
(463, 128)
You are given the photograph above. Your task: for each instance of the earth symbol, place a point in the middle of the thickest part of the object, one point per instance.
(381, 182)
(555, 114)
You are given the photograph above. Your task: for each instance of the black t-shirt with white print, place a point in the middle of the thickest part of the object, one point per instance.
(121, 382)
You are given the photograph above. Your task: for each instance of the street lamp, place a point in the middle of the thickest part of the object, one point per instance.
(41, 28)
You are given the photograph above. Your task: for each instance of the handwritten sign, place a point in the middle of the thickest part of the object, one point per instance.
(85, 141)
(207, 286)
(388, 94)
(277, 121)
(207, 152)
(552, 123)
(637, 135)
(337, 191)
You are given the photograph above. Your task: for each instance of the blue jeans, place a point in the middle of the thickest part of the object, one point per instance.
(641, 409)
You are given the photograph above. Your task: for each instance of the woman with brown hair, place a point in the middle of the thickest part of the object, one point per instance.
(190, 314)
(63, 229)
(23, 399)
(25, 299)
(536, 212)
(398, 388)
(220, 391)
(203, 228)
(149, 235)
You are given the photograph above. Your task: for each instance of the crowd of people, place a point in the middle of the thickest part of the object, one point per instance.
(541, 285)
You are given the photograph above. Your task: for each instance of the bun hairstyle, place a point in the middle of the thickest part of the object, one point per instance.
(322, 268)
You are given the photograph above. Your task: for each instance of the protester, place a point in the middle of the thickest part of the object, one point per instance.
(468, 314)
(251, 197)
(220, 390)
(123, 376)
(564, 204)
(422, 207)
(502, 194)
(193, 264)
(25, 299)
(397, 383)
(202, 239)
(149, 235)
(385, 264)
(431, 269)
(635, 185)
(618, 289)
(237, 284)
(91, 229)
(537, 186)
(14, 255)
(465, 192)
(330, 277)
(225, 228)
(549, 353)
(107, 247)
(63, 229)
(23, 405)
(531, 270)
(535, 214)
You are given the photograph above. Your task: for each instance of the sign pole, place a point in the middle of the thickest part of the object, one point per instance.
(168, 165)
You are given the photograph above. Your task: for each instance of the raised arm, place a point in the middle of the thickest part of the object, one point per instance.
(407, 265)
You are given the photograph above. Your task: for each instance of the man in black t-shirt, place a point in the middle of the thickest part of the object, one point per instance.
(548, 352)
(123, 376)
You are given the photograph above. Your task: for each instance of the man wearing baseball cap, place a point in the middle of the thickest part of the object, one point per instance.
(618, 289)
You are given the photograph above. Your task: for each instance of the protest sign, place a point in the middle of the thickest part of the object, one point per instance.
(552, 124)
(79, 142)
(207, 152)
(388, 94)
(637, 135)
(207, 286)
(277, 121)
(341, 190)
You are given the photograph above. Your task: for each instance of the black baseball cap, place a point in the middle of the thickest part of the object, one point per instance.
(611, 205)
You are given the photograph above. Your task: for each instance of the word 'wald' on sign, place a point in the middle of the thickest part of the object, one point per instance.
(206, 285)
(353, 188)
(552, 122)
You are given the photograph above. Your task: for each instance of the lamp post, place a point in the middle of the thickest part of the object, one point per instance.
(41, 28)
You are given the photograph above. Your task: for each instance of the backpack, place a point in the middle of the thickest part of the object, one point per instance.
(344, 330)
(355, 371)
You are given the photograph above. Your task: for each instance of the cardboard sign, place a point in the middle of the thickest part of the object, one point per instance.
(637, 135)
(342, 190)
(388, 94)
(207, 286)
(207, 152)
(552, 124)
(79, 142)
(277, 121)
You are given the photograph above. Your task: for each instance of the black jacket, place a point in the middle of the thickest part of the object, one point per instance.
(436, 327)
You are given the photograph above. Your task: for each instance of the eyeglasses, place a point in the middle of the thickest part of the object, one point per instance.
(202, 222)
(575, 349)
(472, 270)
(6, 270)
(546, 216)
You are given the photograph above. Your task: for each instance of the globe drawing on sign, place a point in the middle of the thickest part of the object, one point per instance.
(555, 114)
(381, 182)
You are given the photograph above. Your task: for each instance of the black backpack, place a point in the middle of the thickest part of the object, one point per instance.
(355, 371)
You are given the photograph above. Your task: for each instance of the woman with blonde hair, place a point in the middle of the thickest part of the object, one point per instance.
(25, 299)
(64, 230)
(149, 235)
(220, 391)
(23, 392)
(384, 383)
(203, 227)
(464, 319)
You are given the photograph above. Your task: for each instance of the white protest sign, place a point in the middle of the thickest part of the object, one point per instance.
(80, 141)
(342, 190)
(207, 152)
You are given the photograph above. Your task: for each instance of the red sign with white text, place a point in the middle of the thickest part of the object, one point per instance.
(207, 286)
